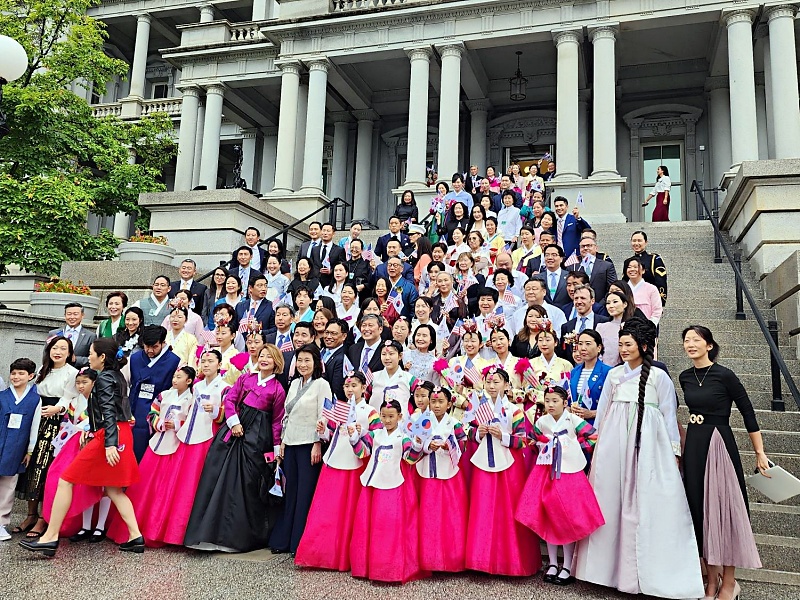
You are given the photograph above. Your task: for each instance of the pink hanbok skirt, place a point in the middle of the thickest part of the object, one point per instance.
(443, 520)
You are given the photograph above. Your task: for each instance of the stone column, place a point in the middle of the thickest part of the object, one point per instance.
(364, 172)
(250, 158)
(260, 10)
(122, 221)
(584, 96)
(341, 133)
(720, 129)
(479, 114)
(568, 43)
(604, 122)
(449, 104)
(417, 147)
(209, 164)
(198, 146)
(187, 138)
(140, 55)
(768, 95)
(269, 150)
(206, 13)
(315, 124)
(300, 135)
(744, 129)
(761, 117)
(287, 126)
(783, 67)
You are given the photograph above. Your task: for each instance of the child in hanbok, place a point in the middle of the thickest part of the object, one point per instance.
(70, 439)
(179, 339)
(443, 533)
(422, 396)
(558, 503)
(385, 543)
(329, 529)
(496, 543)
(226, 334)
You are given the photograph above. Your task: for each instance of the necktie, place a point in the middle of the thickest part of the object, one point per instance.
(587, 266)
(365, 362)
(184, 285)
(281, 340)
(325, 354)
(553, 284)
(324, 252)
(561, 232)
(583, 324)
(311, 247)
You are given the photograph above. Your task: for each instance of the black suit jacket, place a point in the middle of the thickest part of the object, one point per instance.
(603, 275)
(283, 378)
(80, 348)
(337, 256)
(354, 355)
(359, 271)
(570, 326)
(534, 266)
(334, 373)
(264, 315)
(198, 292)
(470, 187)
(234, 264)
(561, 297)
(380, 245)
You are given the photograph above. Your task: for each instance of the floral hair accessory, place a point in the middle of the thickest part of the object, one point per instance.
(544, 325)
(220, 320)
(470, 326)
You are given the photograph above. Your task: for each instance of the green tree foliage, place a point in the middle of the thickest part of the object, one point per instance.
(59, 163)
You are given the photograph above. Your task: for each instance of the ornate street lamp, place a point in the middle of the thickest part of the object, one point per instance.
(13, 64)
(518, 83)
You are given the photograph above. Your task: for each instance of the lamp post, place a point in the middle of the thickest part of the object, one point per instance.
(13, 64)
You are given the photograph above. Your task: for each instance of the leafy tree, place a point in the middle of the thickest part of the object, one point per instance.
(59, 162)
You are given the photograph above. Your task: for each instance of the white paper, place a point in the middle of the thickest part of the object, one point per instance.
(14, 421)
(146, 391)
(781, 486)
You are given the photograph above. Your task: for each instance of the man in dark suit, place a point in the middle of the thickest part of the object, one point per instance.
(326, 255)
(333, 355)
(576, 279)
(554, 276)
(284, 324)
(314, 230)
(366, 351)
(257, 307)
(506, 185)
(197, 290)
(394, 233)
(408, 291)
(81, 338)
(259, 254)
(392, 251)
(589, 232)
(601, 272)
(536, 264)
(568, 227)
(472, 182)
(585, 317)
(243, 268)
(483, 190)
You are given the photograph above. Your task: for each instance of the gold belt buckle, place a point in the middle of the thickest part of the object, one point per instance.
(696, 419)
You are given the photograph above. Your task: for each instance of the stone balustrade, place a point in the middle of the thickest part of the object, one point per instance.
(343, 6)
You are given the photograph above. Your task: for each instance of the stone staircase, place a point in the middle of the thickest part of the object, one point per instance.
(701, 292)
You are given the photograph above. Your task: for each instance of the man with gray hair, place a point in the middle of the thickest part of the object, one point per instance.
(197, 290)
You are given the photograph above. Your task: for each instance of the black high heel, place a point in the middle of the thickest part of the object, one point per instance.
(46, 548)
(135, 545)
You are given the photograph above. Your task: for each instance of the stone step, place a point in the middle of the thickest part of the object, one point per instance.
(701, 314)
(790, 462)
(767, 584)
(775, 519)
(780, 442)
(742, 366)
(779, 553)
(672, 347)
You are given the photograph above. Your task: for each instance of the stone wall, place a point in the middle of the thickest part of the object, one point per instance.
(23, 335)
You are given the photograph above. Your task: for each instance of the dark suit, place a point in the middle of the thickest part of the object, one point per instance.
(380, 246)
(603, 275)
(283, 378)
(473, 186)
(354, 356)
(359, 271)
(534, 266)
(197, 291)
(598, 308)
(571, 236)
(380, 271)
(80, 347)
(336, 256)
(272, 338)
(234, 264)
(409, 295)
(334, 372)
(304, 247)
(569, 326)
(264, 315)
(561, 296)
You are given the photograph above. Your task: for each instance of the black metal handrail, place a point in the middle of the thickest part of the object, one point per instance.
(334, 216)
(768, 329)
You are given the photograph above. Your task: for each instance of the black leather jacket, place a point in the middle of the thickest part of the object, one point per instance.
(108, 405)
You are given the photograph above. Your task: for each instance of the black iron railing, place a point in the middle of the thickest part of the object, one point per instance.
(769, 329)
(337, 215)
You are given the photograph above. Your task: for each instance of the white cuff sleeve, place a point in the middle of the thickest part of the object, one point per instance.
(232, 421)
(505, 439)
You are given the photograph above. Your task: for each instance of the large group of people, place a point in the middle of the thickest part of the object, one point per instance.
(480, 380)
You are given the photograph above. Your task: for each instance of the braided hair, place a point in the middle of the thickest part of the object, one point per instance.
(643, 333)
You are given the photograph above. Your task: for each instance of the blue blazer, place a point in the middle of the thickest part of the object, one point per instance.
(380, 245)
(264, 315)
(596, 381)
(572, 233)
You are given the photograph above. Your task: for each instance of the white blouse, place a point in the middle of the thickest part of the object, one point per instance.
(59, 383)
(662, 185)
(300, 424)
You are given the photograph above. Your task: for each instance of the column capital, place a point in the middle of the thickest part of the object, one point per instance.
(564, 36)
(739, 15)
(340, 116)
(479, 105)
(717, 83)
(318, 63)
(779, 11)
(366, 114)
(606, 31)
(217, 89)
(189, 89)
(250, 133)
(419, 53)
(144, 18)
(289, 66)
(269, 131)
(451, 49)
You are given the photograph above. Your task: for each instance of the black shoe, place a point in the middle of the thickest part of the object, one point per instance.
(549, 578)
(83, 534)
(135, 545)
(558, 580)
(98, 535)
(46, 548)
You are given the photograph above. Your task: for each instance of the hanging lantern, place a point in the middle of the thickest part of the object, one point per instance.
(518, 83)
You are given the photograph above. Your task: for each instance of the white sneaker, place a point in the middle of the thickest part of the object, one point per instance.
(4, 535)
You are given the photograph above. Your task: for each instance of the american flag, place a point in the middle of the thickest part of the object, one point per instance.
(283, 298)
(347, 367)
(245, 324)
(453, 449)
(336, 411)
(287, 345)
(471, 372)
(458, 328)
(572, 260)
(396, 299)
(508, 297)
(368, 375)
(484, 412)
(208, 337)
(368, 253)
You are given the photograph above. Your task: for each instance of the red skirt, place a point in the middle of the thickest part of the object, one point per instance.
(661, 210)
(91, 468)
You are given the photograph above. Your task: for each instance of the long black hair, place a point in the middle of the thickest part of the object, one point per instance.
(708, 338)
(47, 362)
(643, 333)
(108, 347)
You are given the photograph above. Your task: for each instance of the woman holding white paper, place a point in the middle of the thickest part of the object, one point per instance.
(713, 473)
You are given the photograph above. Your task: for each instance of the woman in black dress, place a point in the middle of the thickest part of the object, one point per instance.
(712, 469)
